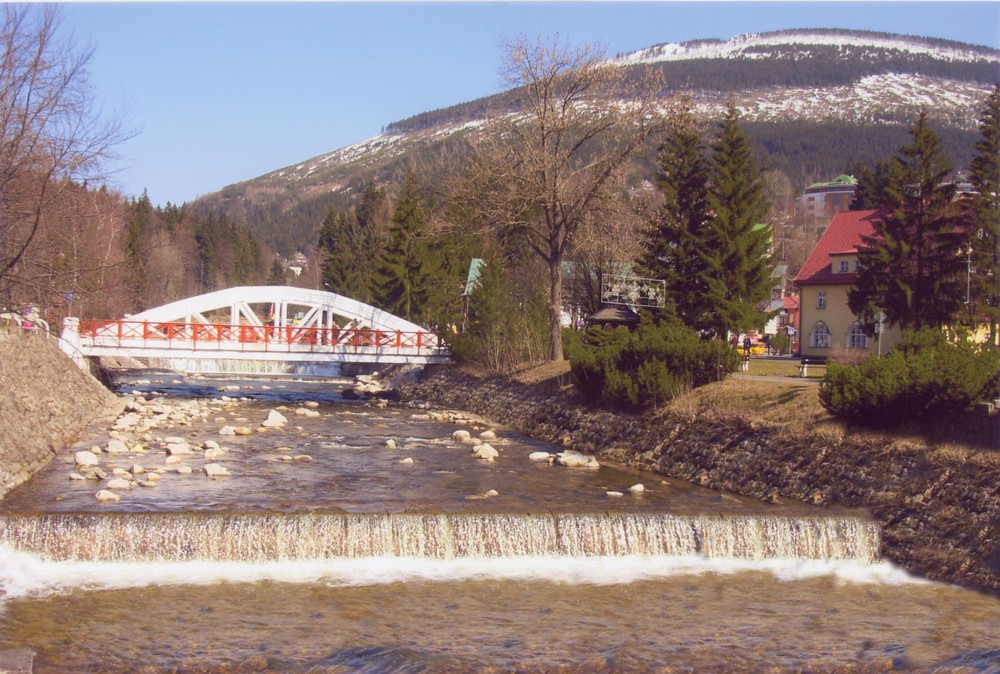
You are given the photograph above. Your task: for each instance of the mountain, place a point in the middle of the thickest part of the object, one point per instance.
(815, 102)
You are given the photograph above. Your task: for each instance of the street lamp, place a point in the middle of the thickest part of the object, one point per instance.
(879, 322)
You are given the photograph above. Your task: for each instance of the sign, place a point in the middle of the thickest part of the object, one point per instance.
(633, 290)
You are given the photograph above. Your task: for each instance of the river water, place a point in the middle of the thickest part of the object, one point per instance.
(355, 538)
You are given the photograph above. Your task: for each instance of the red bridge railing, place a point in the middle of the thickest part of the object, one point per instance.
(189, 335)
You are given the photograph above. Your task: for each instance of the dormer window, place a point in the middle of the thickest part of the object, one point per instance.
(844, 266)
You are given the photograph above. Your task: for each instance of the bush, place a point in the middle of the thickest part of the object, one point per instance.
(646, 367)
(927, 373)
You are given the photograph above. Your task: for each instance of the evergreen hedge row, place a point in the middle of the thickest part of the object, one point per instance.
(929, 372)
(645, 367)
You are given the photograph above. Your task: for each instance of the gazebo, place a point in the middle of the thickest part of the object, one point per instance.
(610, 316)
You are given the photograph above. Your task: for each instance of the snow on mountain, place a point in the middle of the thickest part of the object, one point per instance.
(755, 46)
(875, 99)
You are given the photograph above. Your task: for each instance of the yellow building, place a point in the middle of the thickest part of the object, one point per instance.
(828, 328)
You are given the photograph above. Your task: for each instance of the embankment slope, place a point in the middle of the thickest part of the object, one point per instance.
(46, 401)
(938, 506)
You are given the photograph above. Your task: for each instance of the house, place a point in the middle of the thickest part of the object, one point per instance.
(821, 201)
(828, 327)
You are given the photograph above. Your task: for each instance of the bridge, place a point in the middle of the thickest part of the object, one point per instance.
(294, 330)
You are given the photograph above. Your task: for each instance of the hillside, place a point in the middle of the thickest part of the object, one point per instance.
(815, 102)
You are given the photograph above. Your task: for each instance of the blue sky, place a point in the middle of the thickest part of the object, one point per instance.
(218, 93)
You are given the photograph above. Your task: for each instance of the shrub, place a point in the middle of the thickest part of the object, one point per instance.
(646, 367)
(929, 372)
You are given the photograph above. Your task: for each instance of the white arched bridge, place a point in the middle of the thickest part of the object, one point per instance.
(286, 326)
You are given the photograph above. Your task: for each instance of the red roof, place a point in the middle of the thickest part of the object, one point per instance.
(842, 237)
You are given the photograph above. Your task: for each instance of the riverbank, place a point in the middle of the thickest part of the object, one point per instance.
(938, 505)
(46, 401)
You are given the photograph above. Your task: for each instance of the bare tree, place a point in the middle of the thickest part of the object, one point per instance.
(555, 162)
(52, 138)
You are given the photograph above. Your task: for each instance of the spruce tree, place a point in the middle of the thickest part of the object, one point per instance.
(401, 269)
(911, 268)
(736, 241)
(673, 243)
(985, 176)
(276, 277)
(339, 248)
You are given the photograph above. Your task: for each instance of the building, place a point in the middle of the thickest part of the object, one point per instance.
(828, 327)
(821, 201)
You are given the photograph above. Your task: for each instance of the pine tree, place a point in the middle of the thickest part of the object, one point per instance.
(277, 275)
(339, 251)
(985, 241)
(735, 244)
(910, 267)
(401, 269)
(140, 214)
(673, 243)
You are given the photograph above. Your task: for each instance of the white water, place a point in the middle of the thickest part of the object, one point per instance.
(25, 574)
(265, 537)
(50, 554)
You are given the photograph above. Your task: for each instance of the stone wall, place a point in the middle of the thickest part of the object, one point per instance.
(939, 511)
(46, 401)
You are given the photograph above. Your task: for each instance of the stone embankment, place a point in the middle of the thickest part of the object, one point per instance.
(46, 402)
(939, 510)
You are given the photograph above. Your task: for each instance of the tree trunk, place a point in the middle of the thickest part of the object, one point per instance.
(555, 309)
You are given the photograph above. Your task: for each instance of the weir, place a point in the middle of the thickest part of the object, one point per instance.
(265, 537)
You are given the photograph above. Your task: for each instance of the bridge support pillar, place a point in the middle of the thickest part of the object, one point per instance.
(70, 342)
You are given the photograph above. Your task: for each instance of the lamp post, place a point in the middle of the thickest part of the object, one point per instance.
(879, 322)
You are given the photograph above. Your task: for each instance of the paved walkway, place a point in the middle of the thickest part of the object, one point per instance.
(749, 376)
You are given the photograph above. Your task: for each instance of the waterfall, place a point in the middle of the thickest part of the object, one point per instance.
(267, 537)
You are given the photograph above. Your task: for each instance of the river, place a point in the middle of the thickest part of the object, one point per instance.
(359, 538)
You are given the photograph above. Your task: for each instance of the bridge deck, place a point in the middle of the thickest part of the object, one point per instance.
(153, 339)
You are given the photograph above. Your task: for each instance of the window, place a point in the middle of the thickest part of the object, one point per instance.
(856, 337)
(821, 299)
(819, 337)
(844, 266)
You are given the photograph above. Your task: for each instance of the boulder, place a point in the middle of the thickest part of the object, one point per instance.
(615, 494)
(86, 458)
(179, 448)
(214, 453)
(105, 495)
(216, 470)
(574, 459)
(485, 452)
(390, 443)
(120, 483)
(539, 456)
(488, 435)
(461, 436)
(275, 419)
(637, 489)
(116, 446)
(407, 461)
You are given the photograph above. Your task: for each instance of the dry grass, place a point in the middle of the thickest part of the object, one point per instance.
(787, 405)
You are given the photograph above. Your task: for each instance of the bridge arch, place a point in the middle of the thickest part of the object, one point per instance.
(279, 306)
(298, 330)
